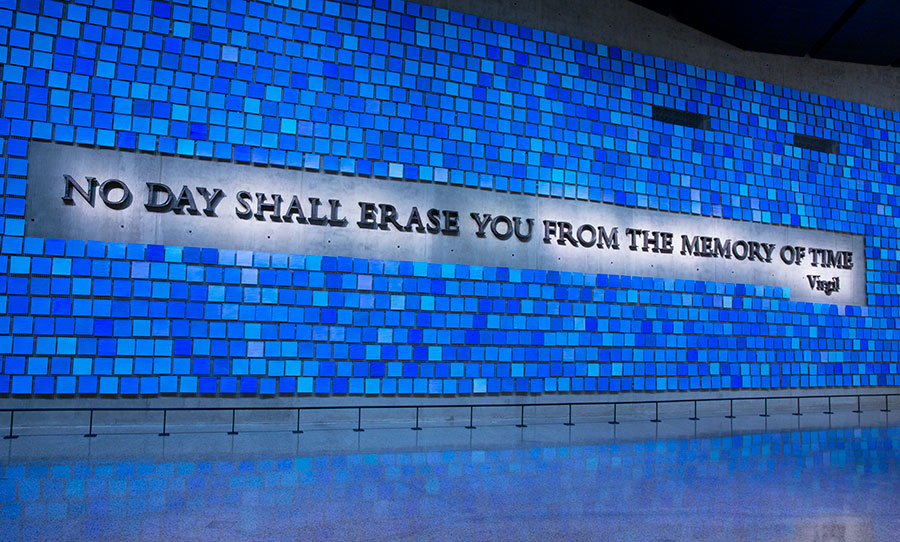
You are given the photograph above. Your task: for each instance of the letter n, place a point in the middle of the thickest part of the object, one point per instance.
(87, 194)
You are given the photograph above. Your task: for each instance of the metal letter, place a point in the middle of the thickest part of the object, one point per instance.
(112, 184)
(88, 194)
(152, 204)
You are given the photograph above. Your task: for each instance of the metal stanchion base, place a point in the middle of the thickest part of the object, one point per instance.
(10, 437)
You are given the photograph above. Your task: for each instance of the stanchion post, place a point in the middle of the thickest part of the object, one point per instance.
(765, 413)
(90, 433)
(730, 409)
(471, 425)
(569, 423)
(359, 428)
(164, 433)
(416, 428)
(829, 412)
(521, 417)
(858, 407)
(10, 436)
(694, 418)
(656, 418)
(232, 432)
(886, 407)
(798, 408)
(615, 420)
(298, 431)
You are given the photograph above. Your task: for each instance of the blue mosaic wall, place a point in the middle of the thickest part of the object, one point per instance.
(395, 89)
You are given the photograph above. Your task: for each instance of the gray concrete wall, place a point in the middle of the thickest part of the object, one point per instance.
(383, 412)
(621, 23)
(51, 163)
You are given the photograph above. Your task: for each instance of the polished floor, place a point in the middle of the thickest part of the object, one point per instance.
(783, 478)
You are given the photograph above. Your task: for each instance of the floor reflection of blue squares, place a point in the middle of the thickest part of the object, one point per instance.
(524, 492)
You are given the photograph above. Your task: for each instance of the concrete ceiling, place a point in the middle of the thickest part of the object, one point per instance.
(861, 31)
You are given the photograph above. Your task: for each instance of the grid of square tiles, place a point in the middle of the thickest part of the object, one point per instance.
(392, 88)
(401, 90)
(91, 317)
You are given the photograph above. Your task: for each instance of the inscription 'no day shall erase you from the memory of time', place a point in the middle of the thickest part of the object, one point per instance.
(120, 196)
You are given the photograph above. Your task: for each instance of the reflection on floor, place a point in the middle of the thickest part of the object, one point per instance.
(785, 478)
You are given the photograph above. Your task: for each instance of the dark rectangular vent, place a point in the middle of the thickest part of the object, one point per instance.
(815, 143)
(683, 118)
